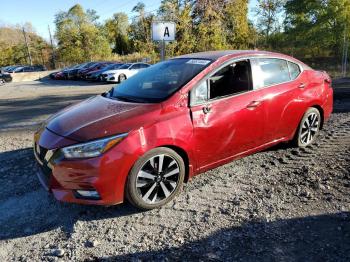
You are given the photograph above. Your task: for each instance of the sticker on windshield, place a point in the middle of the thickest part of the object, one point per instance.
(198, 62)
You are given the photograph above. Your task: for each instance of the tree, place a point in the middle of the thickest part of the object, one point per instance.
(117, 32)
(236, 21)
(319, 25)
(140, 30)
(268, 12)
(179, 11)
(13, 50)
(79, 36)
(208, 19)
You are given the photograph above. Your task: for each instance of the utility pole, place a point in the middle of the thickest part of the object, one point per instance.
(28, 51)
(345, 52)
(162, 50)
(53, 50)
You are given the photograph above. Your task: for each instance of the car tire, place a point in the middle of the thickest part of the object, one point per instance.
(2, 82)
(155, 179)
(308, 128)
(121, 78)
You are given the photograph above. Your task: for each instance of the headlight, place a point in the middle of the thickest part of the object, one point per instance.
(92, 149)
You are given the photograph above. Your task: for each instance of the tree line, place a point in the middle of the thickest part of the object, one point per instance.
(313, 30)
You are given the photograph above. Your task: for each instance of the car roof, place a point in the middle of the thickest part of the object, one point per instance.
(215, 55)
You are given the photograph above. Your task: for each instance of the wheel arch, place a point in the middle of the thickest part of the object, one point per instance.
(320, 109)
(183, 154)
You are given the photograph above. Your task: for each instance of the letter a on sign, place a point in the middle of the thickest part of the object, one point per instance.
(166, 32)
(163, 31)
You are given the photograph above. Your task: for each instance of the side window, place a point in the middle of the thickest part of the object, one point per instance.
(294, 70)
(136, 66)
(274, 71)
(232, 79)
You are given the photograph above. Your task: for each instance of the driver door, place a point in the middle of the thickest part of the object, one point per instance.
(228, 117)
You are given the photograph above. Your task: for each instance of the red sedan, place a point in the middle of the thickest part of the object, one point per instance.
(147, 136)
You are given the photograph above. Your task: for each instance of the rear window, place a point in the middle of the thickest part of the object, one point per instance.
(294, 70)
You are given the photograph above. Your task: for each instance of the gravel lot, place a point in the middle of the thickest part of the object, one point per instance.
(283, 204)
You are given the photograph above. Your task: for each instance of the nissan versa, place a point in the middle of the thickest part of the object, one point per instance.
(147, 136)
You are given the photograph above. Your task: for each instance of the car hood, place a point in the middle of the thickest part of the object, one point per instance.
(115, 71)
(100, 117)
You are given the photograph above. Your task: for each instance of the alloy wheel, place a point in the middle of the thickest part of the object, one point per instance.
(158, 178)
(122, 78)
(309, 128)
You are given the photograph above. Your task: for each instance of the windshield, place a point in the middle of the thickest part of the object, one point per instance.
(113, 66)
(125, 66)
(158, 82)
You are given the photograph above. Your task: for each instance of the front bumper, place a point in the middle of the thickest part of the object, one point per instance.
(108, 78)
(63, 177)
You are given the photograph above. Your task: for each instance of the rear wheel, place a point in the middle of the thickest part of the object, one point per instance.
(155, 179)
(121, 78)
(2, 81)
(309, 128)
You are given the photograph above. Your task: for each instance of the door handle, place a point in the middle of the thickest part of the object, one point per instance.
(206, 109)
(302, 85)
(254, 104)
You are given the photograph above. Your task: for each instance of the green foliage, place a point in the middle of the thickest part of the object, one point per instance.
(302, 28)
(140, 30)
(117, 33)
(208, 20)
(180, 13)
(79, 37)
(13, 50)
(318, 25)
(236, 21)
(268, 12)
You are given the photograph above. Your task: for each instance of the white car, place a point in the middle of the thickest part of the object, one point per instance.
(123, 72)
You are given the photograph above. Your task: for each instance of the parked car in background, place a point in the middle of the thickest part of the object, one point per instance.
(11, 69)
(23, 69)
(142, 140)
(5, 77)
(72, 74)
(38, 68)
(123, 72)
(96, 75)
(6, 68)
(97, 66)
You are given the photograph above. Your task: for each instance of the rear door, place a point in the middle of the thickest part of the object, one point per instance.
(227, 115)
(282, 82)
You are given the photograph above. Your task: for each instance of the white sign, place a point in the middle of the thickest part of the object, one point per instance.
(163, 31)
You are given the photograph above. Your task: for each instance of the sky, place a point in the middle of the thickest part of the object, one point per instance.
(41, 13)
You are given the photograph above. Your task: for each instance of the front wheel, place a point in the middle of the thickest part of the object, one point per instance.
(121, 78)
(309, 128)
(155, 179)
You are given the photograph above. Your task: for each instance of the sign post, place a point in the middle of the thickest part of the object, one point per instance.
(163, 32)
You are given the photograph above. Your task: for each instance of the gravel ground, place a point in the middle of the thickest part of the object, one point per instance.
(283, 204)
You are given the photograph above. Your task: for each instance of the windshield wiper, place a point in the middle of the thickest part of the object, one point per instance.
(127, 99)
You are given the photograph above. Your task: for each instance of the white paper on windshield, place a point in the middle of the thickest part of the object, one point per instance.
(198, 62)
